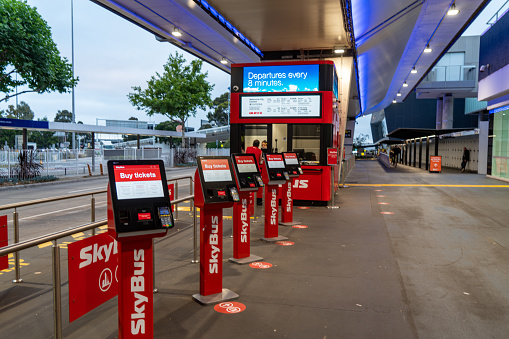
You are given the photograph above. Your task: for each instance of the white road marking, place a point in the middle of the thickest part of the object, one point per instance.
(88, 189)
(62, 210)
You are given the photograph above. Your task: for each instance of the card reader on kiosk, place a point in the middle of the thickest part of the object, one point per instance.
(214, 189)
(248, 179)
(275, 174)
(138, 211)
(294, 170)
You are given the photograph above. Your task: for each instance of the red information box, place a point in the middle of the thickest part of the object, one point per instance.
(332, 156)
(435, 163)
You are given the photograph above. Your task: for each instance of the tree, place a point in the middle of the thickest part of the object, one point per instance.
(63, 116)
(168, 126)
(28, 50)
(23, 111)
(177, 93)
(221, 108)
(43, 139)
(359, 140)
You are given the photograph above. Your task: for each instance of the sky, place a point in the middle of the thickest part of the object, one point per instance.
(112, 55)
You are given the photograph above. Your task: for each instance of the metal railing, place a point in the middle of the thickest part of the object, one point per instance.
(452, 73)
(57, 294)
(346, 167)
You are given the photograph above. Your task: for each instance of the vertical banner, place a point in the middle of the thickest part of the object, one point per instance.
(171, 193)
(211, 247)
(93, 276)
(271, 211)
(287, 202)
(241, 229)
(136, 296)
(4, 261)
(332, 156)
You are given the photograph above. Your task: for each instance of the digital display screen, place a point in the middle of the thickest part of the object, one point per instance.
(215, 170)
(291, 158)
(246, 164)
(275, 161)
(286, 78)
(281, 106)
(138, 181)
(164, 210)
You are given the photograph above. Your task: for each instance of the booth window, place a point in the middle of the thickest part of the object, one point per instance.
(306, 143)
(255, 132)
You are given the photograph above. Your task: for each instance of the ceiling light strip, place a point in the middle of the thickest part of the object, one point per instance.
(227, 25)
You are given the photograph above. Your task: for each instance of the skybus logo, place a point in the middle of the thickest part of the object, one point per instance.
(243, 219)
(300, 183)
(213, 242)
(273, 205)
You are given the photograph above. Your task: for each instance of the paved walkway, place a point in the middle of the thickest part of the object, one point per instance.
(412, 260)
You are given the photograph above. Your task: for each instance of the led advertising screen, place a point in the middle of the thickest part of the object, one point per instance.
(280, 106)
(138, 181)
(246, 164)
(291, 158)
(286, 78)
(215, 170)
(275, 161)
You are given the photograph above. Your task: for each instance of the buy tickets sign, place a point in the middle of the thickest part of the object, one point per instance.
(93, 278)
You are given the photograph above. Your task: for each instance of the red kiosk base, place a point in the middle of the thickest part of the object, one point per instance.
(241, 231)
(287, 205)
(211, 258)
(271, 215)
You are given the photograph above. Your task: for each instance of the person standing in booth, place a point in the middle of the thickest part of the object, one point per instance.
(256, 151)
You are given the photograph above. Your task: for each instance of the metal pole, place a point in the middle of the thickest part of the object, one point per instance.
(154, 266)
(255, 206)
(15, 219)
(191, 192)
(57, 294)
(332, 204)
(195, 237)
(76, 162)
(72, 70)
(176, 197)
(92, 211)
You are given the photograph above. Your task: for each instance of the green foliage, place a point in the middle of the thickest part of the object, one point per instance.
(27, 48)
(220, 144)
(23, 111)
(16, 181)
(221, 108)
(63, 116)
(359, 140)
(177, 93)
(7, 136)
(43, 139)
(205, 126)
(169, 126)
(126, 137)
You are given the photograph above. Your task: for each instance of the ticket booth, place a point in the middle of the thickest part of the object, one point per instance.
(214, 189)
(294, 171)
(138, 211)
(293, 106)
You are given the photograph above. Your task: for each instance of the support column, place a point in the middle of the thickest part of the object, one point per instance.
(420, 152)
(436, 144)
(138, 141)
(406, 152)
(440, 106)
(24, 146)
(448, 112)
(415, 152)
(427, 153)
(93, 151)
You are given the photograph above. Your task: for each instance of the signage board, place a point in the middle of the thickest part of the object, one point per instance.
(348, 133)
(332, 156)
(284, 78)
(435, 163)
(93, 279)
(291, 158)
(281, 106)
(138, 181)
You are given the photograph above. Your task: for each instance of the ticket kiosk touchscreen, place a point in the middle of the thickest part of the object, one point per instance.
(292, 164)
(139, 195)
(276, 168)
(246, 172)
(217, 178)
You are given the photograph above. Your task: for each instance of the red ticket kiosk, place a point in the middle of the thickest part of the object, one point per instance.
(248, 180)
(293, 106)
(274, 174)
(214, 189)
(294, 171)
(138, 210)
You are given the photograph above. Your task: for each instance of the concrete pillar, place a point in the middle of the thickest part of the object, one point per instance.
(482, 161)
(427, 153)
(415, 152)
(93, 151)
(440, 105)
(448, 112)
(420, 152)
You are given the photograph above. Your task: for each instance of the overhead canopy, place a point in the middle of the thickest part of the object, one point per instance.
(390, 141)
(388, 36)
(412, 133)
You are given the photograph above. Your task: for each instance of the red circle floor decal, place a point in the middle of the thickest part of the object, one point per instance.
(387, 212)
(285, 243)
(303, 208)
(230, 307)
(299, 226)
(260, 265)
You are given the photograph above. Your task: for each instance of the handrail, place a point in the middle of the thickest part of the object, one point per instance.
(40, 201)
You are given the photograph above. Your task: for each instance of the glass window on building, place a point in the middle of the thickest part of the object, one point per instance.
(450, 67)
(500, 157)
(306, 143)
